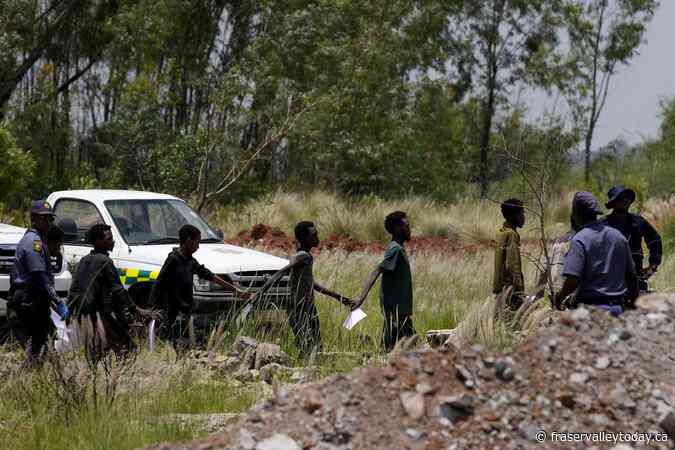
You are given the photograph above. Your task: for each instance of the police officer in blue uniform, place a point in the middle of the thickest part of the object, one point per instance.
(32, 286)
(636, 229)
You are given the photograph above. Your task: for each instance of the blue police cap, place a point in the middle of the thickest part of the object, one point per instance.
(41, 208)
(616, 192)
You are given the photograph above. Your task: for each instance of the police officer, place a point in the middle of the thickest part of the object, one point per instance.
(636, 229)
(32, 286)
(598, 264)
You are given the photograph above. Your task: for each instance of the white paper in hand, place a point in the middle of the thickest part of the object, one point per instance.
(353, 318)
(62, 341)
(151, 336)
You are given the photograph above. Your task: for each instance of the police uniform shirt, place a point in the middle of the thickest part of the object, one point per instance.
(31, 256)
(600, 257)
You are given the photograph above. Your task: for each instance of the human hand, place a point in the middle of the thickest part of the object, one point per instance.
(62, 311)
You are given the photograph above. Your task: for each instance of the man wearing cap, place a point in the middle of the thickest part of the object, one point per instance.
(598, 265)
(635, 228)
(32, 287)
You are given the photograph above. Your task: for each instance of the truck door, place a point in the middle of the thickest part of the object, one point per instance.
(75, 217)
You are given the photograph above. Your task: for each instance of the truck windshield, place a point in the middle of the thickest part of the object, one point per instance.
(148, 222)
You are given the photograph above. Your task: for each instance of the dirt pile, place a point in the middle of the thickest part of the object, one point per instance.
(586, 373)
(273, 239)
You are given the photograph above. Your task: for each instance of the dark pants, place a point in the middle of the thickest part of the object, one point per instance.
(304, 321)
(30, 322)
(102, 333)
(396, 326)
(175, 329)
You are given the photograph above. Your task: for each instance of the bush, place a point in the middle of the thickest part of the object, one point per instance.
(16, 172)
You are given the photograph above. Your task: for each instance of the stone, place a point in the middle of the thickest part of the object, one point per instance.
(245, 439)
(656, 302)
(278, 442)
(579, 377)
(424, 389)
(456, 408)
(656, 317)
(529, 431)
(246, 376)
(504, 371)
(580, 314)
(312, 401)
(667, 424)
(413, 404)
(622, 447)
(415, 435)
(243, 343)
(603, 362)
(465, 376)
(270, 353)
(271, 371)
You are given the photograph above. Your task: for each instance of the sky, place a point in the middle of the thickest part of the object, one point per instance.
(636, 91)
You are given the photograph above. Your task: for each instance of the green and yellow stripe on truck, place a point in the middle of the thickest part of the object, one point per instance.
(132, 276)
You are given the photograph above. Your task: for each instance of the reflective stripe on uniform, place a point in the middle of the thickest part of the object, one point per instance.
(131, 276)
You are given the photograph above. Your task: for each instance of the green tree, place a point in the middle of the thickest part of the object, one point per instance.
(494, 44)
(17, 170)
(602, 35)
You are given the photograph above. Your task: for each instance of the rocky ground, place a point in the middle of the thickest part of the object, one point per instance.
(586, 372)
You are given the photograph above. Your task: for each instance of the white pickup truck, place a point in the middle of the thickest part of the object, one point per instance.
(145, 228)
(9, 238)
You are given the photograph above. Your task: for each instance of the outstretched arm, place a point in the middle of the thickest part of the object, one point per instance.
(276, 277)
(218, 280)
(325, 291)
(368, 285)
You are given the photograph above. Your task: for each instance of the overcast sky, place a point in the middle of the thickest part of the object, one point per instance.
(632, 109)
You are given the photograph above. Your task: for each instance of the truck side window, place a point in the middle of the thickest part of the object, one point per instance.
(75, 217)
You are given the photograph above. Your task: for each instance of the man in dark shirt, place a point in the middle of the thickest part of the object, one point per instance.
(301, 310)
(173, 290)
(396, 295)
(100, 304)
(636, 229)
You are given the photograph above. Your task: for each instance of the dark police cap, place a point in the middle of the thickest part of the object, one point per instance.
(616, 192)
(587, 202)
(41, 208)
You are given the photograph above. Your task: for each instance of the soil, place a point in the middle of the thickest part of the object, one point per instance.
(273, 239)
(586, 373)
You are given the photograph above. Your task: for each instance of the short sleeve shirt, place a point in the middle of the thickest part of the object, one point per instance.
(396, 294)
(600, 257)
(31, 256)
(302, 277)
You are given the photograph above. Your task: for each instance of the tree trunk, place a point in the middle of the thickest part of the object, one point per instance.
(486, 127)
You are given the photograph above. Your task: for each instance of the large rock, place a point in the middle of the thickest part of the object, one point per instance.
(278, 442)
(270, 353)
(656, 302)
(243, 344)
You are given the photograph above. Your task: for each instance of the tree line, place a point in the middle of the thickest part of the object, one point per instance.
(218, 100)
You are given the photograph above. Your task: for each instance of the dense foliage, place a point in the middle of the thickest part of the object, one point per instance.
(223, 100)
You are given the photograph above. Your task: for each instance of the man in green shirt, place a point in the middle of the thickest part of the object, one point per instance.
(508, 266)
(396, 295)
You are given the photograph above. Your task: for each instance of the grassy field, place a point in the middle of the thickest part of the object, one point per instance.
(64, 406)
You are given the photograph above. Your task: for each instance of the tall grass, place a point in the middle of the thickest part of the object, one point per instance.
(362, 218)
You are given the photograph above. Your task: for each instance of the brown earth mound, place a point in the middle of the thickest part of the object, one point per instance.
(586, 373)
(274, 240)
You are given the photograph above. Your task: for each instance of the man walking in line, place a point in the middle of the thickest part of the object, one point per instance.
(302, 314)
(508, 266)
(396, 295)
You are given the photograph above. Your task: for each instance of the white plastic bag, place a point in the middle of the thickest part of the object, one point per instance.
(63, 342)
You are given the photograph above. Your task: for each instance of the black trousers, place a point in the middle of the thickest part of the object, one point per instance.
(395, 327)
(30, 322)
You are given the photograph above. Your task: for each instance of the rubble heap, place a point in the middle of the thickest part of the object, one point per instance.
(588, 372)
